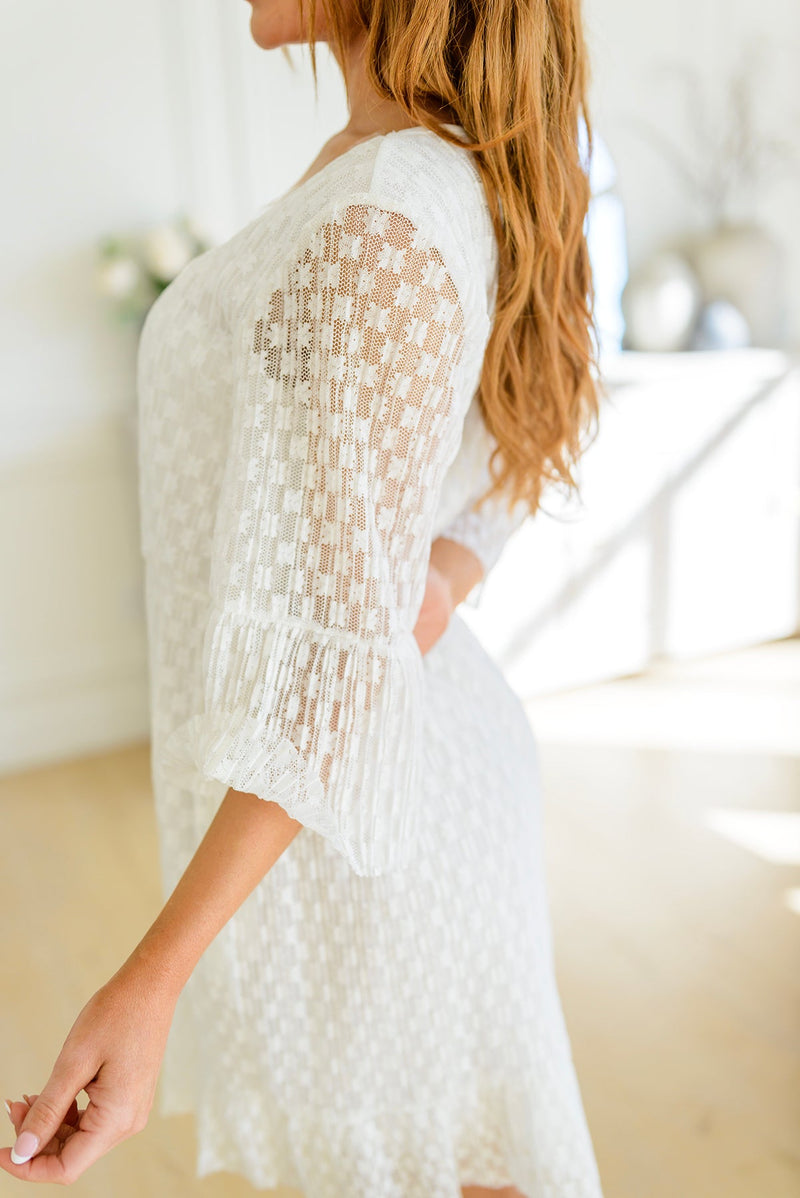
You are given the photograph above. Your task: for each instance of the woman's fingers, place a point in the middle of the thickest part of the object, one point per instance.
(18, 1111)
(72, 1116)
(68, 1154)
(113, 1051)
(100, 1128)
(103, 1124)
(48, 1113)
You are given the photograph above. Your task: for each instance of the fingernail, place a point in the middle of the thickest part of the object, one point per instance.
(27, 1143)
(8, 1108)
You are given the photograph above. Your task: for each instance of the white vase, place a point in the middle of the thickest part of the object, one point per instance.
(721, 326)
(661, 303)
(744, 265)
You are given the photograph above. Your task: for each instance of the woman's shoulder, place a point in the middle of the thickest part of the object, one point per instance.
(414, 172)
(418, 170)
(411, 172)
(438, 188)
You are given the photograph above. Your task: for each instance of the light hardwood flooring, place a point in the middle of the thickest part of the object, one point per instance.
(672, 869)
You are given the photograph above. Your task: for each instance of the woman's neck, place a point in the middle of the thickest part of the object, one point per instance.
(369, 112)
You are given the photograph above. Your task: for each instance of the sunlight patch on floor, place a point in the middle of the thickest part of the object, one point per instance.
(742, 702)
(772, 835)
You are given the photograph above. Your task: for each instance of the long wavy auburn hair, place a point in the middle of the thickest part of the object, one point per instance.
(514, 75)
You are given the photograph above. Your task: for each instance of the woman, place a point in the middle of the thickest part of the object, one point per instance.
(351, 983)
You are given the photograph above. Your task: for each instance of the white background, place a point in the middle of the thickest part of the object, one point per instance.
(118, 116)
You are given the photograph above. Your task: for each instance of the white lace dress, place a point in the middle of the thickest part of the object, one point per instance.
(380, 1018)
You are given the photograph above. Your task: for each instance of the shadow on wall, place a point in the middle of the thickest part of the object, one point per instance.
(687, 540)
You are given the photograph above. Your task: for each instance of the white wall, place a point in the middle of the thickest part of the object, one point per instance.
(685, 541)
(246, 121)
(86, 151)
(629, 43)
(121, 116)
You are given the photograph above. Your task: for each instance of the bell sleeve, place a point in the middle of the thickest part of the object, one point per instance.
(345, 417)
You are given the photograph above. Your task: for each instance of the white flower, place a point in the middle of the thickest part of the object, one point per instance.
(166, 250)
(197, 230)
(118, 277)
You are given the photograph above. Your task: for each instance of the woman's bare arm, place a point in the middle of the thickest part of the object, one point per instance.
(245, 839)
(460, 566)
(115, 1047)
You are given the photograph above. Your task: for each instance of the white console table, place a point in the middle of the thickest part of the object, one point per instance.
(687, 541)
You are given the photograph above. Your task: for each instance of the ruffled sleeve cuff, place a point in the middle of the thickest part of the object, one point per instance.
(312, 698)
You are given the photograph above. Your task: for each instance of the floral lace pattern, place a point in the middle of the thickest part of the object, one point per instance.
(379, 1018)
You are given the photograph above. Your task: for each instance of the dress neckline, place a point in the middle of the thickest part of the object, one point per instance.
(298, 187)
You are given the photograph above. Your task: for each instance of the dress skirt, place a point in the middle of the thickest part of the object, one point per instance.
(396, 1036)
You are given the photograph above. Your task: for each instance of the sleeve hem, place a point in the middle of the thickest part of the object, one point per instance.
(370, 806)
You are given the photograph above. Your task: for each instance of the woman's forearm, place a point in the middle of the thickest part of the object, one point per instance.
(242, 842)
(460, 566)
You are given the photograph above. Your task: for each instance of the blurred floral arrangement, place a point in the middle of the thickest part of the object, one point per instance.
(133, 270)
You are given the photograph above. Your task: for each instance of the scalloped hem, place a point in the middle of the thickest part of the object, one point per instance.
(401, 1152)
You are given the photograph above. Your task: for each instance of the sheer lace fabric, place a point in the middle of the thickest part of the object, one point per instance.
(307, 427)
(485, 530)
(346, 416)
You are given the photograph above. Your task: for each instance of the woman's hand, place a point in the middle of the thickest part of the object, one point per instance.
(438, 604)
(113, 1052)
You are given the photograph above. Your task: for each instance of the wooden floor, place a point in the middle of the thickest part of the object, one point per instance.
(672, 861)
